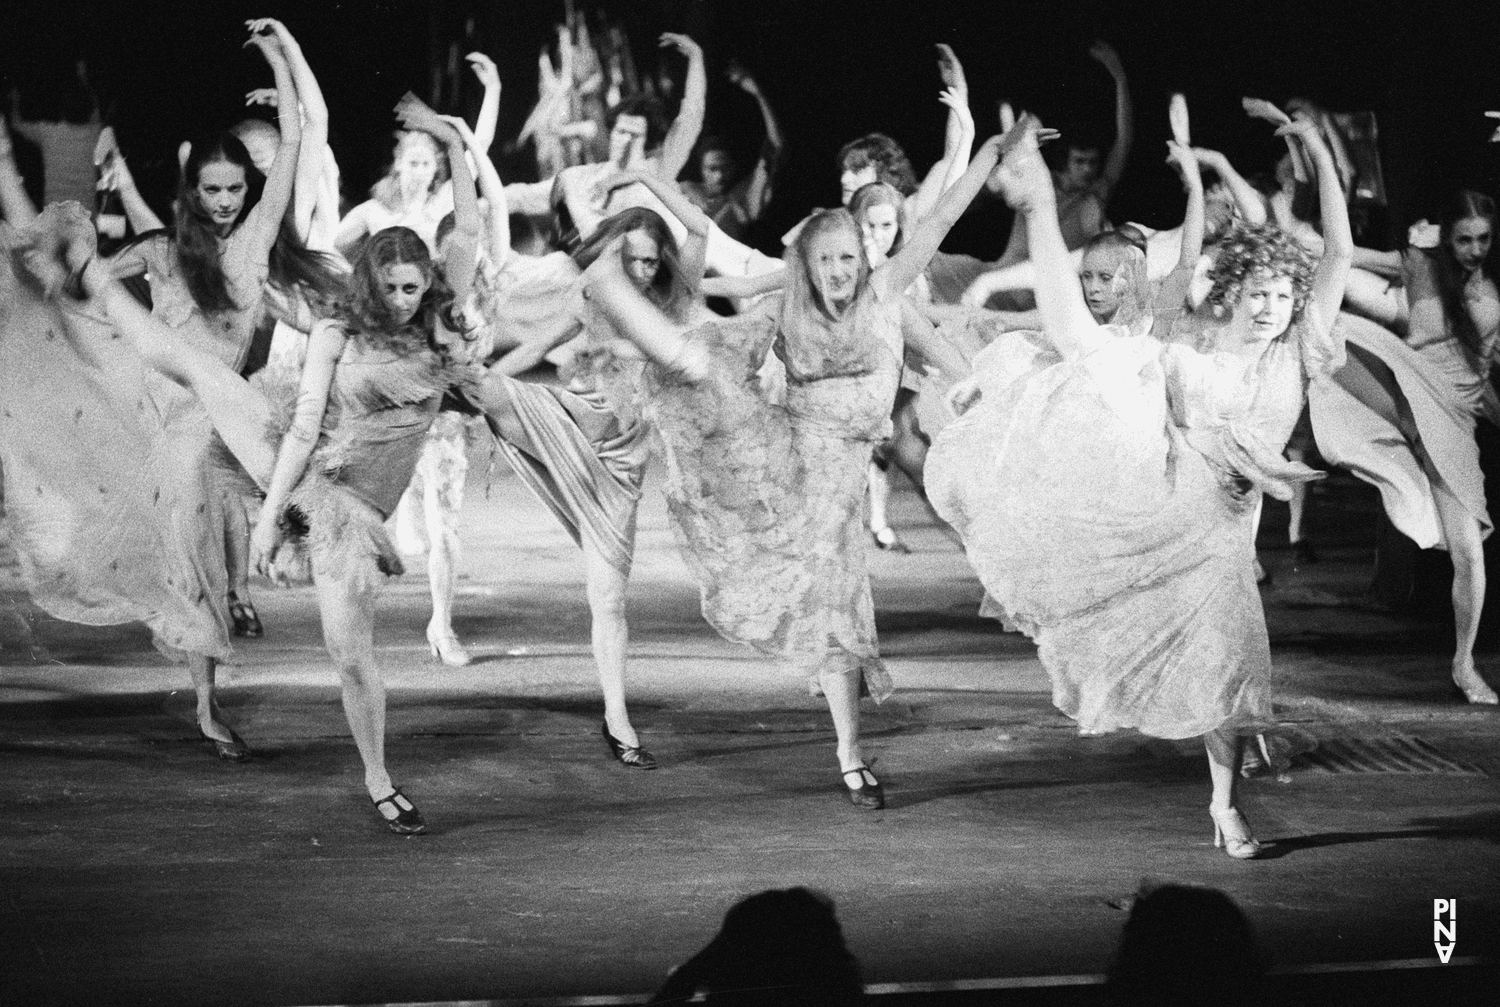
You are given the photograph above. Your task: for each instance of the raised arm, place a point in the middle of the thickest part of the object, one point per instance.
(683, 136)
(115, 174)
(743, 286)
(660, 340)
(695, 249)
(758, 194)
(1174, 289)
(493, 191)
(1252, 205)
(15, 204)
(901, 270)
(1114, 165)
(1028, 188)
(265, 220)
(958, 141)
(1338, 239)
(489, 109)
(462, 251)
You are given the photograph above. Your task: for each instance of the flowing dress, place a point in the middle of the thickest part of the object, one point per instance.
(1419, 428)
(767, 500)
(1105, 503)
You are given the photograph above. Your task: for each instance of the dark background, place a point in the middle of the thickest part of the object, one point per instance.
(167, 69)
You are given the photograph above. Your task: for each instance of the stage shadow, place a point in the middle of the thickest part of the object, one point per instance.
(1480, 825)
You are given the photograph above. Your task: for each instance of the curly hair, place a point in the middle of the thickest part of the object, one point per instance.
(1249, 250)
(367, 310)
(883, 154)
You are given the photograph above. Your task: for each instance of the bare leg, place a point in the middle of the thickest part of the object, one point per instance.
(202, 669)
(841, 689)
(1466, 547)
(880, 493)
(348, 615)
(611, 640)
(1225, 748)
(408, 538)
(1372, 296)
(442, 496)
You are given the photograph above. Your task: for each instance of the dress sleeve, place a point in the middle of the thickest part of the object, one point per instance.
(1322, 353)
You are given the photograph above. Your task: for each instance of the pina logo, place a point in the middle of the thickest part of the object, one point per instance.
(1444, 935)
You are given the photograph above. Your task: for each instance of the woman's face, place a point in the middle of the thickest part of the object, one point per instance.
(402, 285)
(1469, 241)
(221, 192)
(1266, 303)
(833, 260)
(854, 179)
(881, 223)
(642, 256)
(416, 167)
(1102, 283)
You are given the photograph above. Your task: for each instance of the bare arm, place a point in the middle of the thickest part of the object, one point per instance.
(958, 138)
(1251, 204)
(758, 195)
(493, 191)
(464, 245)
(314, 131)
(1174, 288)
(14, 202)
(744, 286)
(265, 219)
(1338, 240)
(681, 138)
(523, 358)
(1114, 165)
(354, 226)
(661, 340)
(489, 109)
(115, 174)
(921, 337)
(1385, 263)
(695, 249)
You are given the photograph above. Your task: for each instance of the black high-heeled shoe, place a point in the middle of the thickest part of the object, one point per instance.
(871, 795)
(243, 615)
(407, 821)
(233, 750)
(635, 756)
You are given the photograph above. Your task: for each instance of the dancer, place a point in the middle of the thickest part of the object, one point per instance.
(1401, 415)
(354, 423)
(1112, 522)
(765, 499)
(733, 203)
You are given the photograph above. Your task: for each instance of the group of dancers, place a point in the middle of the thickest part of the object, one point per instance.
(1097, 416)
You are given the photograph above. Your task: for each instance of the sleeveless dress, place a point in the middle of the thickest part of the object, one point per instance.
(767, 500)
(1106, 503)
(1437, 388)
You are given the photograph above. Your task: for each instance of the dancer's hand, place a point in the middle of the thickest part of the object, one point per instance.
(959, 103)
(1022, 175)
(952, 72)
(461, 128)
(1185, 160)
(683, 44)
(264, 96)
(268, 44)
(1303, 129)
(413, 114)
(265, 537)
(484, 68)
(602, 188)
(964, 395)
(1259, 108)
(1424, 234)
(740, 78)
(271, 26)
(1106, 55)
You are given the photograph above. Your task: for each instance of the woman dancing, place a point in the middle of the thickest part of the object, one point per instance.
(354, 425)
(1112, 524)
(1401, 415)
(766, 499)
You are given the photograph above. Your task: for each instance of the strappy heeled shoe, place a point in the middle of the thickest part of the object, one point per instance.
(1474, 688)
(870, 796)
(233, 750)
(243, 614)
(407, 820)
(1232, 834)
(633, 756)
(447, 649)
(887, 540)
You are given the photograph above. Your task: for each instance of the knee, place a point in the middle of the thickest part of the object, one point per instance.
(607, 602)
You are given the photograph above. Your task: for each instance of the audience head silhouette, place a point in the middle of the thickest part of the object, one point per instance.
(1185, 945)
(782, 946)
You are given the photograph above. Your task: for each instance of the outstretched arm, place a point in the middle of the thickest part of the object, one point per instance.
(758, 194)
(1174, 288)
(958, 139)
(743, 286)
(1114, 165)
(115, 174)
(1247, 198)
(660, 340)
(491, 188)
(314, 130)
(459, 266)
(683, 136)
(489, 109)
(695, 249)
(1338, 238)
(265, 219)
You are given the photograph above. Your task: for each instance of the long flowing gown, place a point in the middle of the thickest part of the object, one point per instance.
(767, 500)
(1105, 503)
(1422, 428)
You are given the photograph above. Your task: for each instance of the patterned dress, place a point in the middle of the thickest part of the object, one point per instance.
(767, 500)
(1106, 503)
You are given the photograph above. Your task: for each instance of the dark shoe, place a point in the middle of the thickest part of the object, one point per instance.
(888, 540)
(233, 750)
(407, 820)
(635, 758)
(871, 795)
(242, 613)
(1303, 552)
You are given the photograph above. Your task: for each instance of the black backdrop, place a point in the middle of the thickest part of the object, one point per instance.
(171, 68)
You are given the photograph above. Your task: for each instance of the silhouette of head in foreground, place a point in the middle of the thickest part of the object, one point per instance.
(1185, 945)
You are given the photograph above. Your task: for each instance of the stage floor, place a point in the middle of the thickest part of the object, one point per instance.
(135, 869)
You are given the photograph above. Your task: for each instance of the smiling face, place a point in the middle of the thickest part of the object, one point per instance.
(880, 224)
(642, 256)
(1469, 242)
(1267, 304)
(221, 192)
(833, 261)
(1102, 283)
(402, 285)
(854, 179)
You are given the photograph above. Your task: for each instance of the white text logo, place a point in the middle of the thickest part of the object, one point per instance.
(1444, 935)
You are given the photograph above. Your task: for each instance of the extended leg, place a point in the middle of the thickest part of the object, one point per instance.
(348, 615)
(442, 497)
(1466, 547)
(611, 640)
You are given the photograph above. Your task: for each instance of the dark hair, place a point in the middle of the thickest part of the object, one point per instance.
(292, 267)
(445, 227)
(879, 194)
(1465, 204)
(782, 946)
(367, 310)
(1185, 946)
(647, 108)
(890, 162)
(197, 239)
(669, 290)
